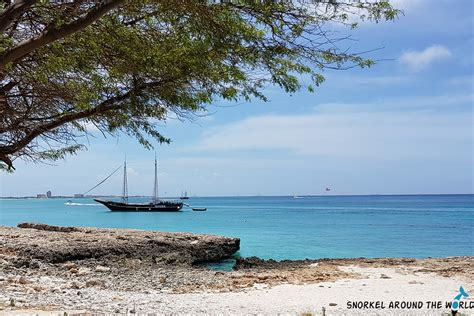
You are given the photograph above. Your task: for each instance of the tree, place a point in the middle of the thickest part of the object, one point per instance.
(123, 65)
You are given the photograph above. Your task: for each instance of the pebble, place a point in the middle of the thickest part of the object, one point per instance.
(260, 286)
(76, 285)
(45, 279)
(69, 265)
(415, 282)
(23, 280)
(102, 269)
(93, 282)
(83, 271)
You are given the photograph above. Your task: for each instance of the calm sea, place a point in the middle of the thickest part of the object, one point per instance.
(290, 228)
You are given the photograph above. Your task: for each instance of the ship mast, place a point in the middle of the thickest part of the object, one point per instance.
(125, 185)
(155, 186)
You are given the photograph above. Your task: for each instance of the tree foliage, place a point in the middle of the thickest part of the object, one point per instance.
(122, 66)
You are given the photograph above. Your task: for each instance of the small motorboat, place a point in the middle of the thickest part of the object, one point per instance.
(199, 209)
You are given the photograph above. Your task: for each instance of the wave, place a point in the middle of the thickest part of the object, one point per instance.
(80, 204)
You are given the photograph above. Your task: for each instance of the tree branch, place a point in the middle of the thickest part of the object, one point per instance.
(107, 105)
(52, 34)
(14, 10)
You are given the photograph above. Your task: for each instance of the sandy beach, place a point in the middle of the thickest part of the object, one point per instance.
(33, 281)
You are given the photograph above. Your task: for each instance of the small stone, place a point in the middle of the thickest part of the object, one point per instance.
(23, 280)
(332, 304)
(83, 271)
(76, 285)
(384, 276)
(259, 286)
(94, 282)
(73, 270)
(37, 288)
(102, 269)
(415, 282)
(69, 265)
(44, 279)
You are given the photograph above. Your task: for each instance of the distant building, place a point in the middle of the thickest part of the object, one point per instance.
(78, 195)
(41, 196)
(48, 194)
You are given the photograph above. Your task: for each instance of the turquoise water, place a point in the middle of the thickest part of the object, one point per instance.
(290, 228)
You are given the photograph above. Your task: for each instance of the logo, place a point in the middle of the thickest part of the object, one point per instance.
(457, 299)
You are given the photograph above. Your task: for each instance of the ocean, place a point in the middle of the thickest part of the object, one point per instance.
(285, 227)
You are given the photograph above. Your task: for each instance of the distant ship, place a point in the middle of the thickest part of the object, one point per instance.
(154, 206)
(184, 196)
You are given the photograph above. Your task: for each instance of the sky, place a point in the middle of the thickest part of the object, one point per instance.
(404, 126)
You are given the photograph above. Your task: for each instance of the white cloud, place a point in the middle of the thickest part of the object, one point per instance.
(418, 60)
(132, 171)
(419, 103)
(387, 129)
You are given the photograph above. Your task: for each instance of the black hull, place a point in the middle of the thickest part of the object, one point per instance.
(150, 207)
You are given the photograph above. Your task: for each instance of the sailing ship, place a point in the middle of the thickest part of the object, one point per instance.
(184, 196)
(156, 205)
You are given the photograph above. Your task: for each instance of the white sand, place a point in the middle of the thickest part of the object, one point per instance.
(402, 285)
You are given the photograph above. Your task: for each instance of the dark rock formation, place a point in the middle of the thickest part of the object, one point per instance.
(49, 227)
(55, 244)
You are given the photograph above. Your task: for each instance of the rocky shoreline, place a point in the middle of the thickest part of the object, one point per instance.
(35, 243)
(68, 268)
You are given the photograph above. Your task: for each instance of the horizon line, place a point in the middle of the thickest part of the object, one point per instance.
(230, 196)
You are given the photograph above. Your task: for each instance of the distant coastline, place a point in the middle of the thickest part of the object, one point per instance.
(232, 196)
(66, 197)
